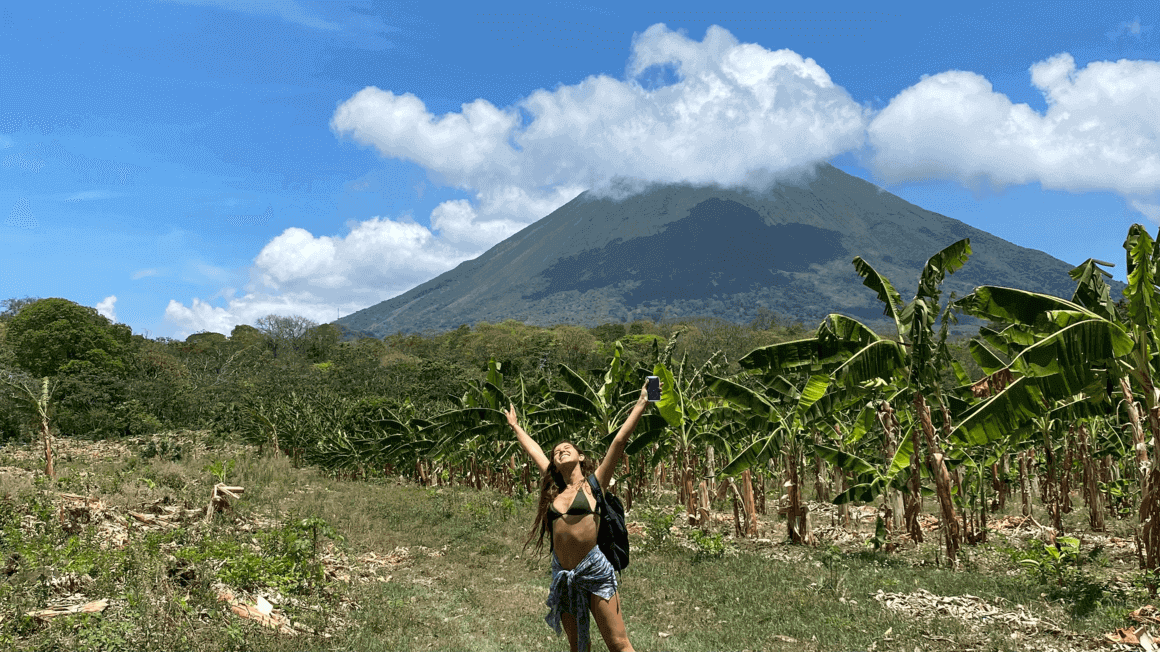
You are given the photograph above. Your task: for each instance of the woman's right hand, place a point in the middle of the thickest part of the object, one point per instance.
(511, 417)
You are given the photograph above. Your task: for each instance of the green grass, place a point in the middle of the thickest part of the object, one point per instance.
(466, 582)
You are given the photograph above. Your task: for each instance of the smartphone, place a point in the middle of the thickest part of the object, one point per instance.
(654, 389)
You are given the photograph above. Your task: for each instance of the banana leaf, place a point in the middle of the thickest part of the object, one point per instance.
(987, 361)
(1012, 306)
(846, 461)
(740, 395)
(881, 359)
(885, 291)
(578, 384)
(576, 402)
(751, 456)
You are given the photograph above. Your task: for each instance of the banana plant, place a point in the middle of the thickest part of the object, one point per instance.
(1080, 347)
(789, 433)
(687, 422)
(872, 478)
(917, 360)
(389, 438)
(37, 404)
(855, 356)
(596, 412)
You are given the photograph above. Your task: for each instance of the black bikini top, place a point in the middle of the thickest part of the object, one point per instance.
(579, 507)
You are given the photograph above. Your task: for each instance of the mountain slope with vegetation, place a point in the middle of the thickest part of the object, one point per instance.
(675, 252)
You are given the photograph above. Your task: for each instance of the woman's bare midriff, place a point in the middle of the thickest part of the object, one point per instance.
(574, 536)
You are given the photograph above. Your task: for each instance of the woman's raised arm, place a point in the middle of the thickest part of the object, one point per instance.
(616, 450)
(527, 442)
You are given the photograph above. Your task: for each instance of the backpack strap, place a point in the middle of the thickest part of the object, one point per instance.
(599, 494)
(600, 499)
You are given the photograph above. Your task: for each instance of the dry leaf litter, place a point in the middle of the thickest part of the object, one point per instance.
(115, 527)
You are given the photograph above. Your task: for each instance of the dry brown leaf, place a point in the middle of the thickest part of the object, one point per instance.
(1146, 614)
(262, 612)
(1123, 635)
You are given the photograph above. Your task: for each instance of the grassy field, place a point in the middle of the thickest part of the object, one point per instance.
(387, 565)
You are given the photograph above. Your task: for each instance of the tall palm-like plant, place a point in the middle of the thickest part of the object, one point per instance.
(22, 390)
(922, 359)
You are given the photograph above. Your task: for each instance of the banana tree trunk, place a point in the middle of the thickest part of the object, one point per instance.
(913, 499)
(1005, 482)
(844, 508)
(1065, 477)
(736, 517)
(705, 509)
(750, 507)
(982, 538)
(791, 496)
(45, 430)
(798, 522)
(1032, 470)
(1108, 475)
(761, 493)
(1092, 495)
(1137, 429)
(1150, 504)
(1051, 486)
(968, 532)
(687, 483)
(746, 526)
(942, 479)
(895, 508)
(1024, 489)
(821, 488)
(997, 487)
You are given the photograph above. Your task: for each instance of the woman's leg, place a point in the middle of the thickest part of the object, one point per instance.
(611, 622)
(569, 623)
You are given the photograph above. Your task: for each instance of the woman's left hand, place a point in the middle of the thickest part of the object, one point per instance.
(644, 393)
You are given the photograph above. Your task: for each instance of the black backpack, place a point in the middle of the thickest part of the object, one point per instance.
(613, 537)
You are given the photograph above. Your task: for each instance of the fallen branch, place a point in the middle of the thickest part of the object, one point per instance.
(149, 519)
(87, 608)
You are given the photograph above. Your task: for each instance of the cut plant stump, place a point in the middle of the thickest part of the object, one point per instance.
(218, 501)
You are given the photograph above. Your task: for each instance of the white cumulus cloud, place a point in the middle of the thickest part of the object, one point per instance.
(737, 109)
(1101, 130)
(105, 308)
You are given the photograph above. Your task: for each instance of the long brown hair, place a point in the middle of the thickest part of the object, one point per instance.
(550, 486)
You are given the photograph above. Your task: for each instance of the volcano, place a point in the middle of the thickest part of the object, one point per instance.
(679, 251)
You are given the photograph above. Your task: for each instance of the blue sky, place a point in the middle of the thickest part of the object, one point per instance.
(190, 165)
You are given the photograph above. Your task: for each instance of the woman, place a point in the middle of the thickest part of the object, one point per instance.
(582, 577)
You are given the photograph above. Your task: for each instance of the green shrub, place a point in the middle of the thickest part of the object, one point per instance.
(658, 527)
(709, 546)
(1060, 569)
(162, 451)
(286, 559)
